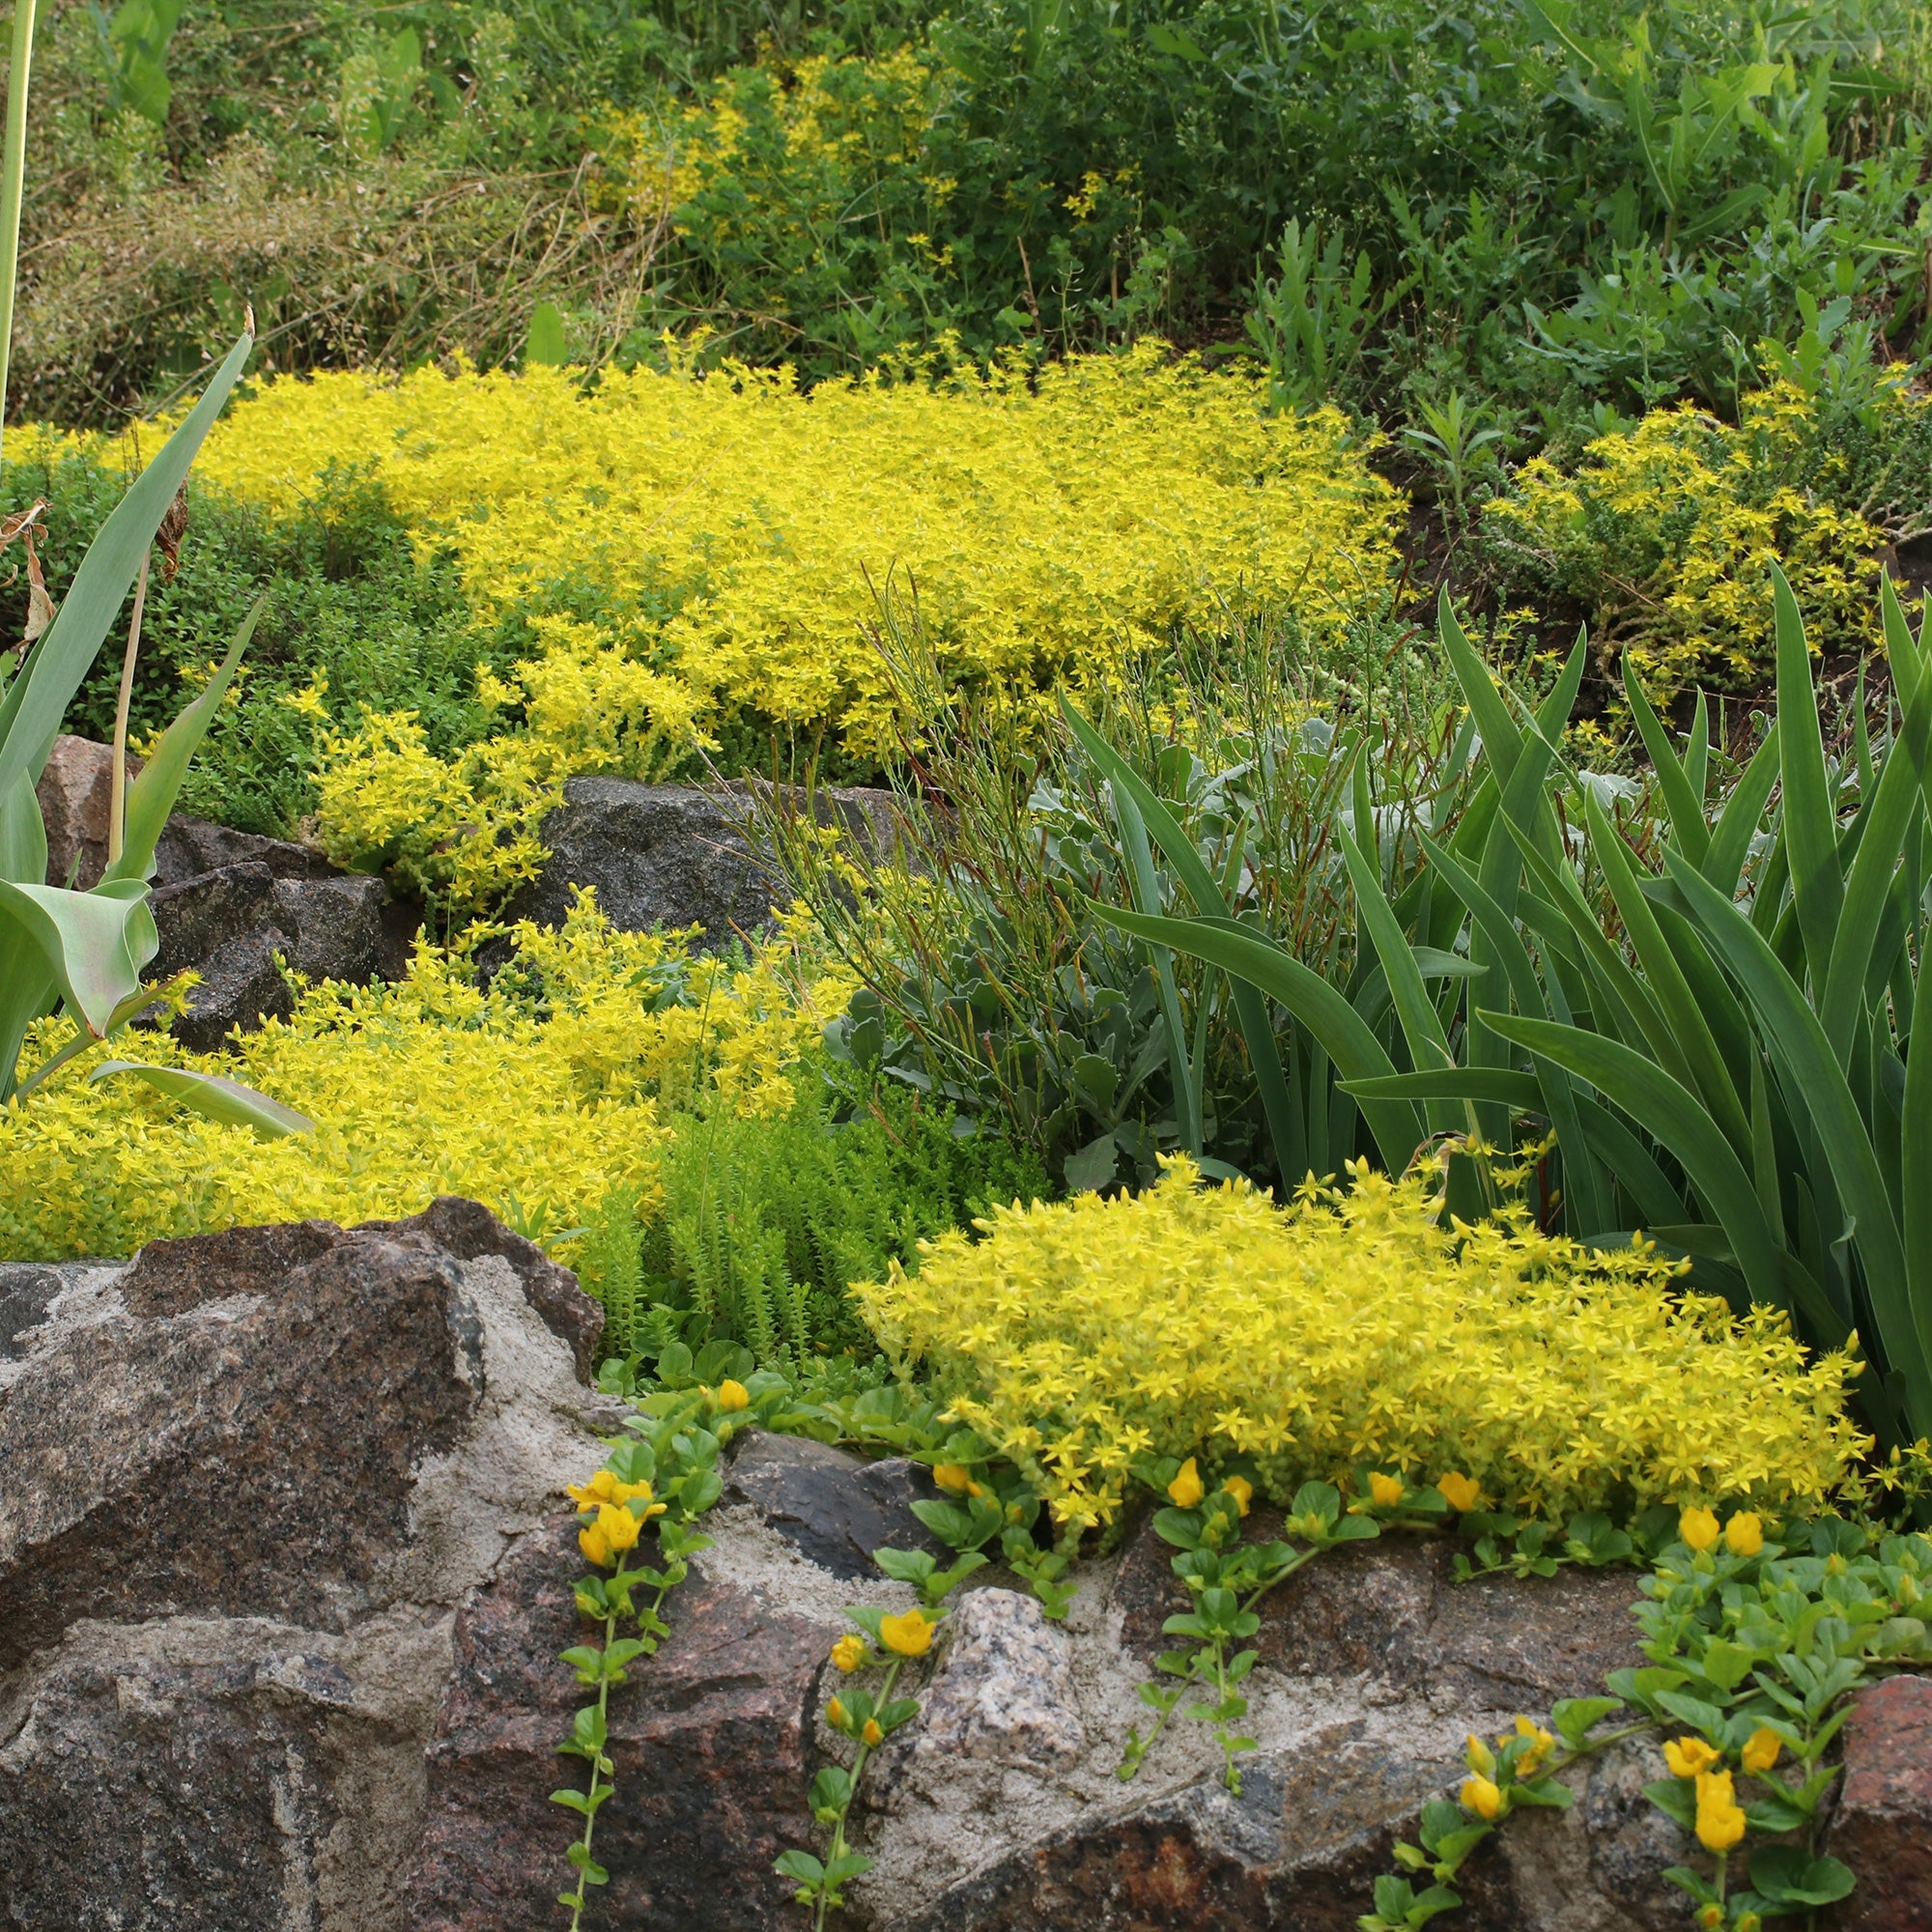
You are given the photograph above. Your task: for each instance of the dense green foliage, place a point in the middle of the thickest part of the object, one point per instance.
(1558, 206)
(765, 1219)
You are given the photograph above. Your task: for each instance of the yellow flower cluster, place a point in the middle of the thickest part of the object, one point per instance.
(428, 1087)
(736, 530)
(1081, 1338)
(1669, 530)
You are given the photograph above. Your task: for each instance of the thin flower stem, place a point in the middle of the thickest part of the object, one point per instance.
(838, 1849)
(117, 803)
(596, 1773)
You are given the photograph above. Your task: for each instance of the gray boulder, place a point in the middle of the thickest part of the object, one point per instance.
(234, 922)
(670, 855)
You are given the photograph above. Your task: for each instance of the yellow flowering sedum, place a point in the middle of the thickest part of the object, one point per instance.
(1084, 1337)
(1669, 528)
(734, 528)
(428, 1087)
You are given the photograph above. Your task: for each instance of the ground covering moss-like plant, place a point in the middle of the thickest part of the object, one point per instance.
(1348, 1327)
(537, 1097)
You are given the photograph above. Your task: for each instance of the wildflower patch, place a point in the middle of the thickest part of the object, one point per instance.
(1084, 1339)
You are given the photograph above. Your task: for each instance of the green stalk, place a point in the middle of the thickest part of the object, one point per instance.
(12, 180)
(838, 1846)
(596, 1770)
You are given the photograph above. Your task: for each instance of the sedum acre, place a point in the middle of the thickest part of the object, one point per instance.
(1082, 1338)
(428, 1087)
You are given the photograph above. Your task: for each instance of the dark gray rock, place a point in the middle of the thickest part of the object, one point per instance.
(233, 924)
(833, 1507)
(673, 856)
(191, 846)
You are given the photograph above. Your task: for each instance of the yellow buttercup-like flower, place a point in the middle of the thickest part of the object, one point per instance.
(596, 1546)
(1243, 1490)
(1761, 1749)
(1385, 1491)
(1698, 1527)
(1689, 1757)
(619, 1528)
(1743, 1534)
(1542, 1744)
(733, 1396)
(909, 1636)
(1483, 1797)
(1187, 1488)
(849, 1653)
(1458, 1492)
(1721, 1823)
(604, 1487)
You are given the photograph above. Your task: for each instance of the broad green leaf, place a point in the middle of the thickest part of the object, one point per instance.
(1421, 1028)
(214, 1095)
(1284, 1118)
(38, 698)
(1673, 1115)
(1684, 805)
(1736, 824)
(1691, 1032)
(1345, 1037)
(94, 943)
(1905, 1328)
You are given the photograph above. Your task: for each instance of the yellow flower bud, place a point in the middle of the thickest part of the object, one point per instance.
(1743, 1534)
(871, 1734)
(909, 1635)
(1187, 1488)
(849, 1653)
(1689, 1757)
(1761, 1749)
(1698, 1528)
(1748, 1921)
(1458, 1492)
(1721, 1823)
(595, 1545)
(1710, 1918)
(1385, 1491)
(835, 1715)
(1836, 1565)
(733, 1396)
(953, 1476)
(1482, 1797)
(1480, 1758)
(1243, 1490)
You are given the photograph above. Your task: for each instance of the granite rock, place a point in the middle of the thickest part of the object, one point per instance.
(673, 856)
(1883, 1824)
(244, 1484)
(713, 1751)
(76, 790)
